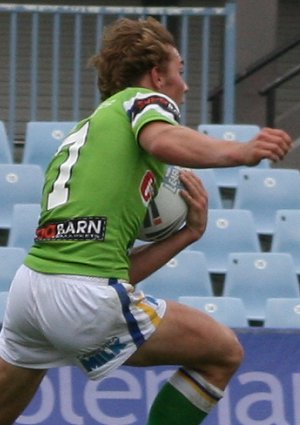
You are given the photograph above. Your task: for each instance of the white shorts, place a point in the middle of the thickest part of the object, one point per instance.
(56, 320)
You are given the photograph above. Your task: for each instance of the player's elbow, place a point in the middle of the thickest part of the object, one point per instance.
(156, 139)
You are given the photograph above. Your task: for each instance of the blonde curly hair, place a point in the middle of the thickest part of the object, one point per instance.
(130, 48)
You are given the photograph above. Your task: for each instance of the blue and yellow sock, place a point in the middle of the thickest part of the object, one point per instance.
(186, 399)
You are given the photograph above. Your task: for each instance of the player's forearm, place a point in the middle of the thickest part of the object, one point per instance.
(188, 148)
(146, 259)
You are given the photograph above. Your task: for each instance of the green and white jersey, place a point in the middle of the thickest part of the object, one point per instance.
(97, 188)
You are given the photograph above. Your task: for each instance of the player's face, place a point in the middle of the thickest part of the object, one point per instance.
(173, 83)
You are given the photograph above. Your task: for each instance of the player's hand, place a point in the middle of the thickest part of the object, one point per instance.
(270, 143)
(196, 198)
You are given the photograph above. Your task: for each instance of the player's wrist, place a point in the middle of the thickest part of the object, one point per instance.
(192, 234)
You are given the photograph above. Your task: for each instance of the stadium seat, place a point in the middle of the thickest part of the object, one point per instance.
(42, 140)
(227, 310)
(286, 237)
(209, 181)
(227, 231)
(263, 192)
(255, 277)
(5, 150)
(185, 274)
(228, 177)
(3, 301)
(10, 260)
(19, 184)
(24, 222)
(282, 313)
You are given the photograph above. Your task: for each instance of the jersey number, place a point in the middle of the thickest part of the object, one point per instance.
(60, 191)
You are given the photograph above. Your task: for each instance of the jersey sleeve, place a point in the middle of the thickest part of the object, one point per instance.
(147, 107)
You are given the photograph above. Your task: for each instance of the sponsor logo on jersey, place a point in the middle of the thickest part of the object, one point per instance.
(103, 355)
(79, 229)
(141, 103)
(154, 101)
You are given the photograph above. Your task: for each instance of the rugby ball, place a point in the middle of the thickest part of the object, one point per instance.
(167, 212)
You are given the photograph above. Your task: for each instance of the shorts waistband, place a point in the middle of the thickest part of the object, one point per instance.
(103, 281)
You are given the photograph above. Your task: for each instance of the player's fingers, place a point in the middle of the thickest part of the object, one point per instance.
(274, 150)
(192, 182)
(283, 135)
(194, 194)
(278, 138)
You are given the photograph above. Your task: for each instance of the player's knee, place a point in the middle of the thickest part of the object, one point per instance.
(225, 364)
(225, 361)
(233, 354)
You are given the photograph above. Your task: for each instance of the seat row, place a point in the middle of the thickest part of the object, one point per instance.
(260, 189)
(227, 231)
(262, 192)
(251, 277)
(42, 139)
(280, 313)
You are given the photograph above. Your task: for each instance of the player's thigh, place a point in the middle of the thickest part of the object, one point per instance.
(188, 337)
(17, 387)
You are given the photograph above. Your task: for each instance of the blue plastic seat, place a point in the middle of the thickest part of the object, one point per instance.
(42, 140)
(185, 274)
(286, 236)
(263, 192)
(227, 231)
(19, 184)
(282, 313)
(227, 310)
(10, 260)
(24, 223)
(228, 177)
(5, 149)
(255, 277)
(209, 181)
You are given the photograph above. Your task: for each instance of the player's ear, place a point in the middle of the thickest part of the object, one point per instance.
(156, 77)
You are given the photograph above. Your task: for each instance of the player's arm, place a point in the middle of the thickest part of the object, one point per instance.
(148, 258)
(189, 148)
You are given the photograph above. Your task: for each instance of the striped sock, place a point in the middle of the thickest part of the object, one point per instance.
(186, 399)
